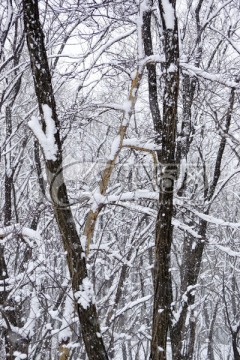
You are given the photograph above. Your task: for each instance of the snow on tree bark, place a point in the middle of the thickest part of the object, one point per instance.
(75, 254)
(164, 231)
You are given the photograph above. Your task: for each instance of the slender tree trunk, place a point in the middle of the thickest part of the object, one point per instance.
(235, 348)
(163, 242)
(152, 76)
(11, 312)
(88, 317)
(7, 221)
(192, 260)
(210, 351)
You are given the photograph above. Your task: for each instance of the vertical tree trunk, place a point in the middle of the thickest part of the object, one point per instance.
(210, 351)
(192, 259)
(90, 328)
(8, 179)
(152, 75)
(11, 312)
(235, 348)
(162, 274)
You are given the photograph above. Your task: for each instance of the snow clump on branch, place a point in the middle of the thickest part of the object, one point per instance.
(85, 296)
(46, 140)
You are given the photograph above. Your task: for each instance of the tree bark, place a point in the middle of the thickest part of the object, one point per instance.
(163, 240)
(152, 75)
(88, 317)
(235, 347)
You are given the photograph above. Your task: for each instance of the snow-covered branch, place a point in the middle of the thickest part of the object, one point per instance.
(46, 140)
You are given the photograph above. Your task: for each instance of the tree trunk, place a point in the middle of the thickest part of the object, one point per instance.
(235, 348)
(152, 76)
(90, 327)
(163, 241)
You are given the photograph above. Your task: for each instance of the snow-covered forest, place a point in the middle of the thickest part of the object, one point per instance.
(120, 179)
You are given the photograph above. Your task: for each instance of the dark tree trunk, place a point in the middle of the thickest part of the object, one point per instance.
(152, 76)
(90, 328)
(235, 348)
(192, 259)
(167, 129)
(8, 180)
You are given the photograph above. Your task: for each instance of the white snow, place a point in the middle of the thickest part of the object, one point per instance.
(215, 221)
(83, 241)
(185, 227)
(169, 15)
(229, 251)
(134, 195)
(19, 356)
(114, 148)
(219, 78)
(85, 296)
(144, 144)
(65, 331)
(53, 314)
(97, 199)
(27, 233)
(132, 304)
(126, 106)
(172, 68)
(48, 326)
(46, 140)
(122, 107)
(29, 325)
(152, 59)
